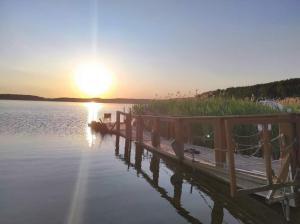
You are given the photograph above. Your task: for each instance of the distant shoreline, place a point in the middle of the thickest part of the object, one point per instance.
(76, 100)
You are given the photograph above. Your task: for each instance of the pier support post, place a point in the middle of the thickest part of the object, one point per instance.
(155, 136)
(178, 145)
(118, 122)
(138, 157)
(140, 130)
(154, 168)
(231, 163)
(220, 142)
(128, 126)
(117, 132)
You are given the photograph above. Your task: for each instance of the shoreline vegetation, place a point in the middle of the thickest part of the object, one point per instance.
(213, 106)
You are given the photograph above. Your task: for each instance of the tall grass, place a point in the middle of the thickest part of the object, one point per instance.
(217, 106)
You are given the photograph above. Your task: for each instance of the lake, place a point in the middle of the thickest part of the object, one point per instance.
(53, 169)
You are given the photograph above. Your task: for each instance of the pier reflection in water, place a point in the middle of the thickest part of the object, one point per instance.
(186, 188)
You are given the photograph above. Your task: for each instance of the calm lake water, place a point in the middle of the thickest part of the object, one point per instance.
(53, 169)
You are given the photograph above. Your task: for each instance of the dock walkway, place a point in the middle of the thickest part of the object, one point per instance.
(246, 174)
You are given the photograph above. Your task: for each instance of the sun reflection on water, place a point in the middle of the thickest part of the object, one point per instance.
(93, 110)
(77, 206)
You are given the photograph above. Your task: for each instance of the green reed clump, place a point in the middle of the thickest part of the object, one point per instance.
(217, 106)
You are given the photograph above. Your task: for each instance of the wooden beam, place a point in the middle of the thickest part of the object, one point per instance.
(267, 187)
(231, 163)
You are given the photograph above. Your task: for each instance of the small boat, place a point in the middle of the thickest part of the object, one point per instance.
(99, 126)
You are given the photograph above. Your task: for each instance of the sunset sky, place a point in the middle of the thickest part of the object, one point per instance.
(148, 47)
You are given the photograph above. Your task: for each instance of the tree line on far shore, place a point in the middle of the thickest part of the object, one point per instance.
(273, 90)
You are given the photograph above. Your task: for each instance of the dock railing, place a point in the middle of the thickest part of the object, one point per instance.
(224, 144)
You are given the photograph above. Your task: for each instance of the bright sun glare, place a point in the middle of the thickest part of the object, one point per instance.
(93, 79)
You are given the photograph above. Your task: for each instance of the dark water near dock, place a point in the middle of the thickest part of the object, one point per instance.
(53, 169)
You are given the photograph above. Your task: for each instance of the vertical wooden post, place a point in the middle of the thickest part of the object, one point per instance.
(178, 145)
(219, 142)
(169, 131)
(231, 163)
(127, 152)
(128, 126)
(287, 147)
(267, 152)
(138, 157)
(118, 122)
(117, 132)
(154, 167)
(296, 154)
(289, 152)
(189, 133)
(156, 133)
(177, 181)
(139, 130)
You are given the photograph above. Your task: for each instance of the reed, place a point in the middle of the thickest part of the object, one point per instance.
(216, 106)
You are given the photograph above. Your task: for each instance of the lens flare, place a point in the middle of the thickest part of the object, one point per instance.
(93, 79)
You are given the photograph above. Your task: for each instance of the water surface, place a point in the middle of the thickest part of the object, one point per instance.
(53, 169)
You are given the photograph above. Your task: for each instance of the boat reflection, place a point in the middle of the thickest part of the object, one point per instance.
(211, 193)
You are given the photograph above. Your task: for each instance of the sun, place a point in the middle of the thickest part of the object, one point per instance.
(93, 79)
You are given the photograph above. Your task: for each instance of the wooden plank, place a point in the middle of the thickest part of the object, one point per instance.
(267, 187)
(267, 152)
(231, 163)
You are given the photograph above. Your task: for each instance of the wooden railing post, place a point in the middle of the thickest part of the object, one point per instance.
(117, 132)
(296, 160)
(139, 130)
(297, 148)
(267, 152)
(155, 138)
(219, 142)
(128, 126)
(169, 131)
(178, 145)
(118, 122)
(231, 163)
(287, 147)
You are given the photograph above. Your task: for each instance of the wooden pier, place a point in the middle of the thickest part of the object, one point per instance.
(274, 179)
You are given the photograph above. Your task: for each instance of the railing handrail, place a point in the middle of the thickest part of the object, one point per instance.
(251, 118)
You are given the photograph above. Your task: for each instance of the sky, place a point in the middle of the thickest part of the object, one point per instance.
(152, 48)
